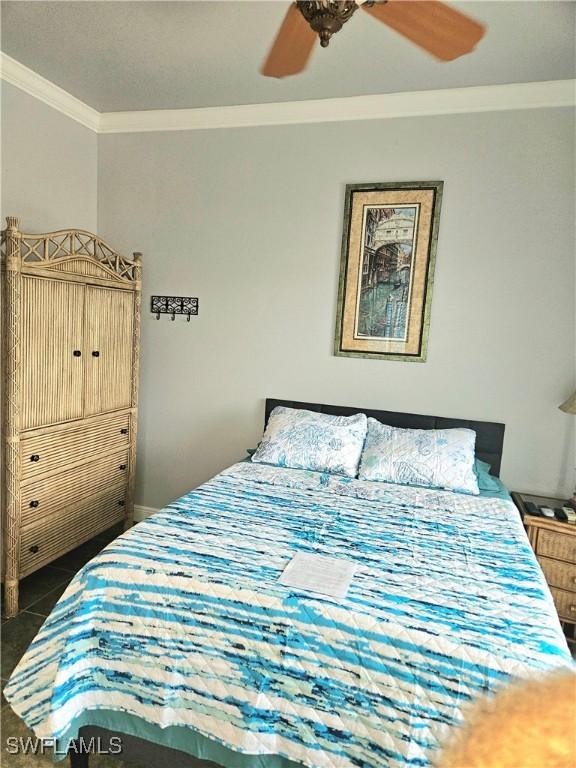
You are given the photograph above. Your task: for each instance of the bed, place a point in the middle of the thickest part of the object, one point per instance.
(179, 639)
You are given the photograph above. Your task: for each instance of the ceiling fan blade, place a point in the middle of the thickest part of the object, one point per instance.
(441, 30)
(292, 47)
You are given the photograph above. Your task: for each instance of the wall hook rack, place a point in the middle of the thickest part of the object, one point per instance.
(174, 305)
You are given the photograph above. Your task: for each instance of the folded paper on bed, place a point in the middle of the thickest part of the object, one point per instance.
(314, 573)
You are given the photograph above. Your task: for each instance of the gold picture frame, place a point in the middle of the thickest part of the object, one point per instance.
(387, 270)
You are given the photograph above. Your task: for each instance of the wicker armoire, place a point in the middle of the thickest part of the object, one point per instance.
(71, 323)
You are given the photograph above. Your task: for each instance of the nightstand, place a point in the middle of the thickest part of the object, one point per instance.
(554, 543)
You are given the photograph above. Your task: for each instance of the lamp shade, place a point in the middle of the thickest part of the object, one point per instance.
(569, 406)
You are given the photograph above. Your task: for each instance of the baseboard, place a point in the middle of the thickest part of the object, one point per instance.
(141, 513)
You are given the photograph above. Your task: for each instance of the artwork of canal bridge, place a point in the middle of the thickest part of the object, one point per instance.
(386, 271)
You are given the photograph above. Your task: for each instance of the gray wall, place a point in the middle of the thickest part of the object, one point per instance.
(49, 166)
(249, 220)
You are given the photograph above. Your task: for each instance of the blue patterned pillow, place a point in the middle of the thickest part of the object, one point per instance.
(435, 458)
(307, 440)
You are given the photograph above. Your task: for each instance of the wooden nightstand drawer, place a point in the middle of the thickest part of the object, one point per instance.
(565, 603)
(560, 546)
(559, 574)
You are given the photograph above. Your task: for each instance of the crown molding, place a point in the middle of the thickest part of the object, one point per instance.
(448, 101)
(489, 98)
(35, 85)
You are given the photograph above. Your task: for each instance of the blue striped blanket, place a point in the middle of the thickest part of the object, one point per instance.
(180, 625)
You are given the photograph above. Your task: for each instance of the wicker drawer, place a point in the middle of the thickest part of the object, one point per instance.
(55, 535)
(565, 603)
(52, 450)
(560, 546)
(559, 574)
(47, 496)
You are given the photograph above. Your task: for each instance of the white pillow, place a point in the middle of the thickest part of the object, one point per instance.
(307, 440)
(436, 458)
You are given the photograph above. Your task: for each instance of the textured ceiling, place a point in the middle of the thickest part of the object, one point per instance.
(167, 55)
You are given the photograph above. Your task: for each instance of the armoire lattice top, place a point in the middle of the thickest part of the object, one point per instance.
(72, 251)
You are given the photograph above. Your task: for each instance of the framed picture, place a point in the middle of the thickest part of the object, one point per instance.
(387, 269)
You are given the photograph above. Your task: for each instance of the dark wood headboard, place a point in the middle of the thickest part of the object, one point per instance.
(489, 434)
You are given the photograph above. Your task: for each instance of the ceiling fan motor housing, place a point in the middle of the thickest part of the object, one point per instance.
(326, 17)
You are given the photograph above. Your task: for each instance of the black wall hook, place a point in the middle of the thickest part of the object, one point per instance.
(174, 305)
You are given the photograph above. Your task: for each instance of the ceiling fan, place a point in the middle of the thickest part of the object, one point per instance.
(436, 27)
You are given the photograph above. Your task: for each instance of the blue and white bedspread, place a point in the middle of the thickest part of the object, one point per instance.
(182, 622)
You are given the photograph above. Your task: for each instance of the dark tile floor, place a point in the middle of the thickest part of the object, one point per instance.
(39, 592)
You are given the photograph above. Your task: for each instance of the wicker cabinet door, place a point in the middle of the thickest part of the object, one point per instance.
(108, 327)
(51, 355)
